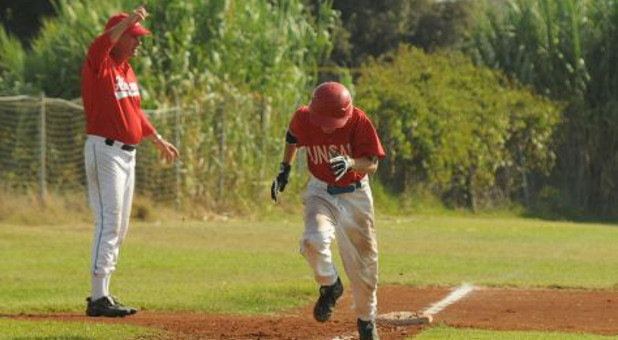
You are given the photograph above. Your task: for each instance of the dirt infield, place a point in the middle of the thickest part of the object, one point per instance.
(491, 309)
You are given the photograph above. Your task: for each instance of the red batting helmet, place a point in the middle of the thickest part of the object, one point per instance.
(331, 105)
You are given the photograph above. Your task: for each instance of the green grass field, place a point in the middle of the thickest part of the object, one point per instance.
(255, 267)
(446, 333)
(69, 331)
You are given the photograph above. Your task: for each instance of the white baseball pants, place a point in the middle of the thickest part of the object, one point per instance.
(111, 178)
(350, 217)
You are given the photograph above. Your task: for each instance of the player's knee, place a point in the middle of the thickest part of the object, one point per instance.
(313, 242)
(113, 211)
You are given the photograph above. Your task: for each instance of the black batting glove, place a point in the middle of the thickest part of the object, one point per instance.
(340, 164)
(280, 181)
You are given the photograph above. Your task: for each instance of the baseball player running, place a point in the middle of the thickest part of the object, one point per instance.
(115, 124)
(342, 149)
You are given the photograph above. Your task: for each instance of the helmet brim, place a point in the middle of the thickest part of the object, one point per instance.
(330, 122)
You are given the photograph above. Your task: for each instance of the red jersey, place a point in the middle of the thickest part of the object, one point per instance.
(110, 93)
(358, 138)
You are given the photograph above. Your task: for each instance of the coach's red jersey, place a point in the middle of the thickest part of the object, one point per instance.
(358, 138)
(110, 93)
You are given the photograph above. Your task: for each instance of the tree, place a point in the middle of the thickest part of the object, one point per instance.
(23, 18)
(566, 49)
(372, 28)
(464, 131)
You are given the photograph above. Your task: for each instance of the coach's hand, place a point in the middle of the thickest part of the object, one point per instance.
(138, 15)
(167, 149)
(280, 181)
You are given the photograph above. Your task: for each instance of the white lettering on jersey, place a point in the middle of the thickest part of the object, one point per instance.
(320, 153)
(124, 89)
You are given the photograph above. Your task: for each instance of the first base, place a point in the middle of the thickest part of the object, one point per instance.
(403, 319)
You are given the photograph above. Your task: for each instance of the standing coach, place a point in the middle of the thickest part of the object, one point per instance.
(115, 124)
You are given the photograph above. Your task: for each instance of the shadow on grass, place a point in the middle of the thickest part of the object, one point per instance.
(570, 214)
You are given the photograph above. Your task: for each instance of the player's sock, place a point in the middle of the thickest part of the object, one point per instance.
(100, 287)
(108, 279)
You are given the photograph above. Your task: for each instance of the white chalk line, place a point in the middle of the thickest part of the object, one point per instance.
(435, 308)
(450, 299)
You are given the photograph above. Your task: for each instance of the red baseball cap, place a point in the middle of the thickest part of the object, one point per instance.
(136, 29)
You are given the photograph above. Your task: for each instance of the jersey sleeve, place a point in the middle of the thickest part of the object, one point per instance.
(366, 140)
(98, 52)
(147, 128)
(295, 128)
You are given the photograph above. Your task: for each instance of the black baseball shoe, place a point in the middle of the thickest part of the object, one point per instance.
(117, 303)
(324, 307)
(367, 330)
(107, 306)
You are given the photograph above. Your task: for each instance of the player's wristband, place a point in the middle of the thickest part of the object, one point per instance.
(285, 167)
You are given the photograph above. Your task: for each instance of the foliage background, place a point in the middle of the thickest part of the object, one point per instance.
(468, 133)
(566, 50)
(236, 69)
(538, 131)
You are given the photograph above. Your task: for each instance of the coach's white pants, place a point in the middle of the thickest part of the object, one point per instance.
(350, 217)
(111, 177)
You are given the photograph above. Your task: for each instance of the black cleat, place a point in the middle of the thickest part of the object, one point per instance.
(117, 303)
(107, 306)
(367, 330)
(324, 307)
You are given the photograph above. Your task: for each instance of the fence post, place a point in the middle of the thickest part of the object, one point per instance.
(43, 151)
(524, 178)
(265, 113)
(177, 169)
(222, 147)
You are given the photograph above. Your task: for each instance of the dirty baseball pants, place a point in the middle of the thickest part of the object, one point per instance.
(110, 172)
(350, 218)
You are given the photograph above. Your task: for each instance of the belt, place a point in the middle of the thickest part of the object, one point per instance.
(336, 189)
(125, 147)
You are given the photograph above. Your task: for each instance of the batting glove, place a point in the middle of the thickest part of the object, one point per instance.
(340, 165)
(280, 181)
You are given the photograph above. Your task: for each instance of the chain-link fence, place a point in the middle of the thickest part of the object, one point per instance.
(228, 148)
(40, 142)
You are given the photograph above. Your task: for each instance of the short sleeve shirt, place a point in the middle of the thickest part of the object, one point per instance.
(358, 138)
(111, 96)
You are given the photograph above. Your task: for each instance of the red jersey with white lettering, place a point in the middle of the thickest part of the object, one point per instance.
(358, 138)
(110, 93)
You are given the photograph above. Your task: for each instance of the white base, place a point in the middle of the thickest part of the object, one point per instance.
(403, 319)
